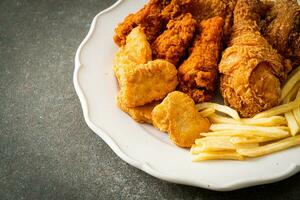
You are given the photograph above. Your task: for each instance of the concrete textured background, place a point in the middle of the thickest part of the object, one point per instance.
(46, 149)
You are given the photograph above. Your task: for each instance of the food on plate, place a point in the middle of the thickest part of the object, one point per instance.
(172, 44)
(252, 71)
(271, 121)
(136, 51)
(219, 155)
(177, 115)
(289, 86)
(142, 82)
(205, 9)
(270, 148)
(147, 83)
(198, 74)
(207, 112)
(262, 97)
(281, 109)
(237, 139)
(281, 27)
(149, 18)
(141, 114)
(221, 108)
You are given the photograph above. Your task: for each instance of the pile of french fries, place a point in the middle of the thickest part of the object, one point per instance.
(233, 138)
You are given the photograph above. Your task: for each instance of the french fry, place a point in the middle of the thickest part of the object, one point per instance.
(209, 144)
(271, 121)
(292, 94)
(226, 155)
(277, 130)
(292, 123)
(246, 146)
(280, 109)
(290, 84)
(207, 112)
(271, 148)
(296, 113)
(250, 140)
(249, 133)
(221, 108)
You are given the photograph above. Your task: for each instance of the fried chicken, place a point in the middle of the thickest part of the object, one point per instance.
(149, 18)
(177, 115)
(205, 9)
(155, 15)
(142, 80)
(281, 27)
(198, 74)
(252, 71)
(173, 43)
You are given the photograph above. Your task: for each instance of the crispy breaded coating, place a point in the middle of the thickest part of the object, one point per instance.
(149, 18)
(282, 29)
(205, 9)
(148, 82)
(177, 115)
(252, 71)
(141, 80)
(141, 114)
(154, 16)
(136, 51)
(198, 74)
(172, 44)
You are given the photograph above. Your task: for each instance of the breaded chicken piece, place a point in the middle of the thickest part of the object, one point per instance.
(172, 44)
(147, 83)
(252, 71)
(149, 18)
(205, 9)
(141, 114)
(282, 29)
(198, 74)
(177, 115)
(142, 81)
(136, 51)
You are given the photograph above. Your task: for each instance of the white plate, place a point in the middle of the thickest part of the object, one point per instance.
(142, 146)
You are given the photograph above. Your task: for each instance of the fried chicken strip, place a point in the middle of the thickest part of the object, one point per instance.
(149, 18)
(171, 45)
(198, 74)
(205, 9)
(282, 29)
(252, 71)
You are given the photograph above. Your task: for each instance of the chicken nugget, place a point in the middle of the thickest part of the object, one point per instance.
(177, 115)
(147, 83)
(136, 51)
(141, 114)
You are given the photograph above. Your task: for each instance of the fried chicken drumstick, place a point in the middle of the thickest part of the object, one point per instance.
(282, 29)
(252, 71)
(198, 74)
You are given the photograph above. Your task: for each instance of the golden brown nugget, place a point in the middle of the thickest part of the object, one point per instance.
(178, 116)
(147, 83)
(136, 51)
(141, 80)
(141, 114)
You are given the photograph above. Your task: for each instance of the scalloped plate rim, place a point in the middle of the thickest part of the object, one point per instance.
(293, 169)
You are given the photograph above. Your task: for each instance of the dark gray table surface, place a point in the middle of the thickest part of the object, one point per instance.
(46, 149)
